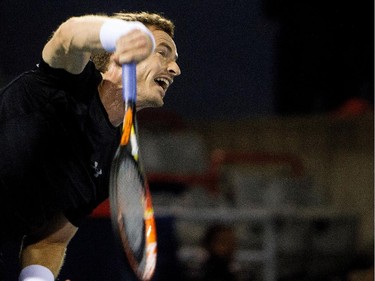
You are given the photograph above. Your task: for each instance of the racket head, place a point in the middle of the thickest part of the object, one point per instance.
(132, 214)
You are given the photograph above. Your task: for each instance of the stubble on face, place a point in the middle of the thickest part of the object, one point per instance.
(150, 93)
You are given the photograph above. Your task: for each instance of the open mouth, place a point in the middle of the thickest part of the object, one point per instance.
(163, 82)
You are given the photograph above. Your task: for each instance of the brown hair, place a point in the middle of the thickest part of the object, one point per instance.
(101, 59)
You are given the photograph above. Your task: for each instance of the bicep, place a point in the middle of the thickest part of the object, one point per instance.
(56, 58)
(71, 45)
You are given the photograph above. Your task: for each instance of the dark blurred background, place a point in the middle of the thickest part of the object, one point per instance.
(239, 58)
(273, 71)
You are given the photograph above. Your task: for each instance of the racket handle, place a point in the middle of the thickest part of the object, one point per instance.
(129, 83)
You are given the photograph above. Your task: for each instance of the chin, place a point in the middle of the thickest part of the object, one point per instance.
(155, 101)
(150, 104)
(157, 104)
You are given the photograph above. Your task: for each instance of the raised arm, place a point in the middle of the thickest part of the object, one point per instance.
(76, 39)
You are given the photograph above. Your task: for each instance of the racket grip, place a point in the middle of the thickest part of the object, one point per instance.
(129, 83)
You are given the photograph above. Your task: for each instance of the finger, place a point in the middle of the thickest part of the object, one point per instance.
(134, 40)
(134, 56)
(134, 47)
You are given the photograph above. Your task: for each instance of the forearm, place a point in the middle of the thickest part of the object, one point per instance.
(78, 38)
(49, 249)
(49, 255)
(73, 42)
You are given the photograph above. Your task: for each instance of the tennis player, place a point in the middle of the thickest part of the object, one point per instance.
(59, 128)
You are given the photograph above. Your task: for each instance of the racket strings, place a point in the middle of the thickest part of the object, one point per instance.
(131, 206)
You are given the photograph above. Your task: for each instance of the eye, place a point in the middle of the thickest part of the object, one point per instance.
(161, 52)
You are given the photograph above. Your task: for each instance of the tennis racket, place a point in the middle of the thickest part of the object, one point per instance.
(131, 207)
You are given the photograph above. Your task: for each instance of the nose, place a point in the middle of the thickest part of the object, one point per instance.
(174, 69)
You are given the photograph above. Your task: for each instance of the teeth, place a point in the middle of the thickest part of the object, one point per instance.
(163, 80)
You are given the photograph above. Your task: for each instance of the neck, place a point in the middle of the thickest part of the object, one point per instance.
(111, 98)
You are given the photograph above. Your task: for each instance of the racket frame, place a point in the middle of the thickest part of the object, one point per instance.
(128, 150)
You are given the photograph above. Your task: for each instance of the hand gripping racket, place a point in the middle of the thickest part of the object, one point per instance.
(132, 213)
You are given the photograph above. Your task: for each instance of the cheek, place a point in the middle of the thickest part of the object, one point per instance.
(148, 67)
(142, 82)
(143, 74)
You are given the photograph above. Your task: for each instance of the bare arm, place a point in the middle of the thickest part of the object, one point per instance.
(49, 249)
(76, 39)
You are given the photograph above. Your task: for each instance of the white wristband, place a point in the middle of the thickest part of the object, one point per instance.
(113, 29)
(36, 272)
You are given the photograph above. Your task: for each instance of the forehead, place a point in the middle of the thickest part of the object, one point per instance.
(161, 37)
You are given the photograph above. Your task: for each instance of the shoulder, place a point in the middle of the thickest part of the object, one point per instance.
(79, 84)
